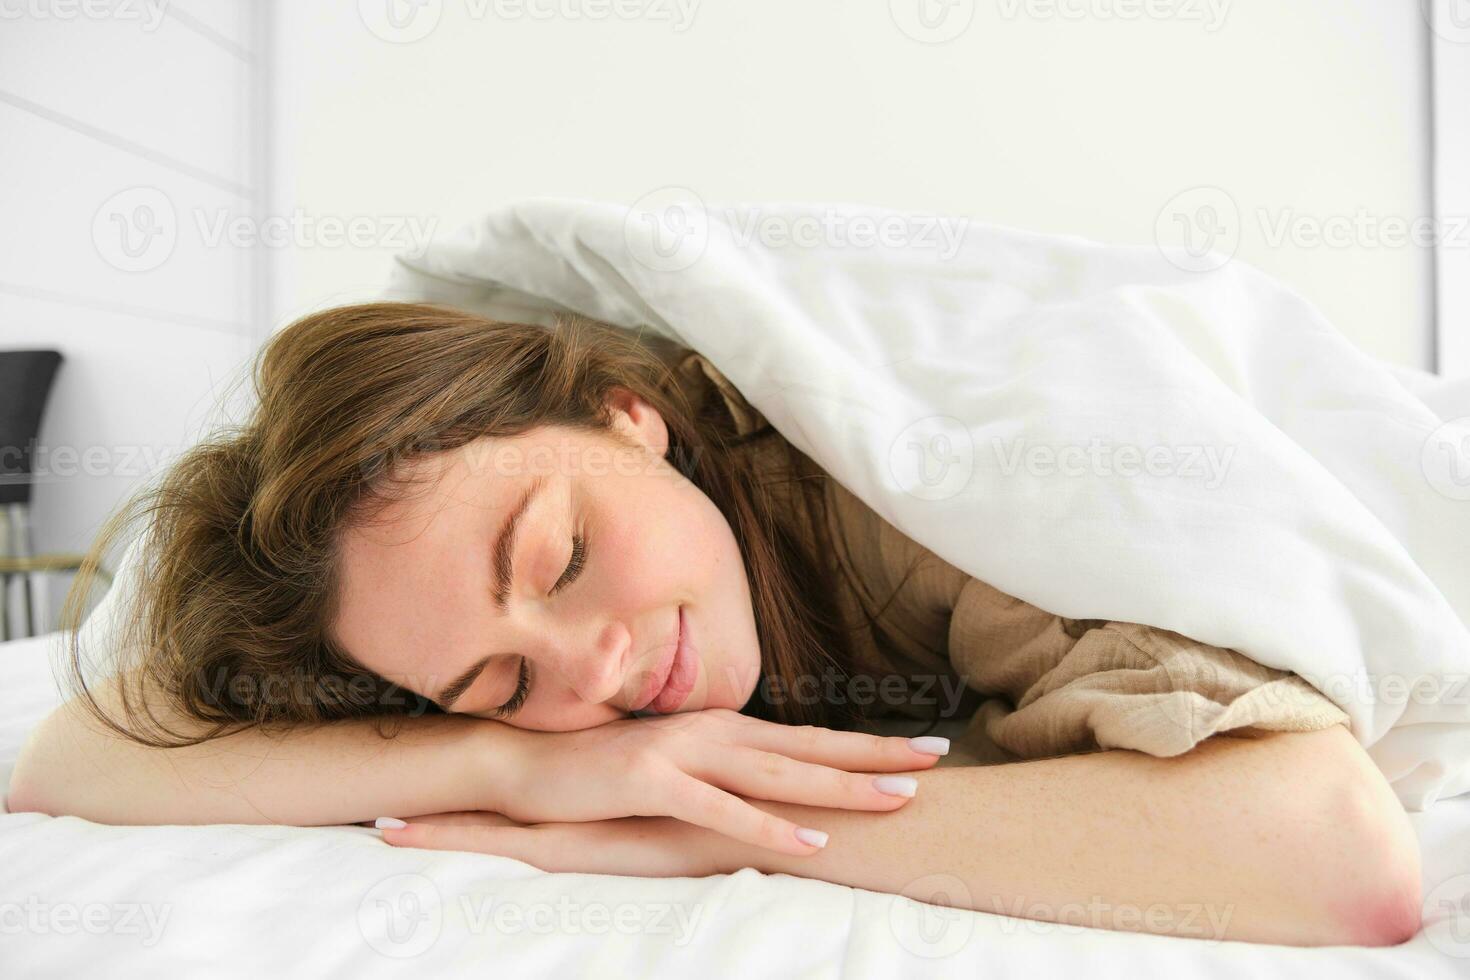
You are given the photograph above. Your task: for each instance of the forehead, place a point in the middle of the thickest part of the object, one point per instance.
(410, 566)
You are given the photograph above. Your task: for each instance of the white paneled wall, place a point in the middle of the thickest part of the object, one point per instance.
(1085, 117)
(131, 140)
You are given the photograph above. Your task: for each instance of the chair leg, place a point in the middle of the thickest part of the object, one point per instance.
(24, 548)
(25, 596)
(5, 546)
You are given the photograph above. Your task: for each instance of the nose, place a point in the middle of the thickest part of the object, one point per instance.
(592, 660)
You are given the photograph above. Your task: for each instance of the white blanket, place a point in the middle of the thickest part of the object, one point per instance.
(1093, 429)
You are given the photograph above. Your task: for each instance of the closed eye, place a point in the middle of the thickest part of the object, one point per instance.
(574, 566)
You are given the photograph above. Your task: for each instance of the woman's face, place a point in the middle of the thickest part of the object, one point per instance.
(418, 603)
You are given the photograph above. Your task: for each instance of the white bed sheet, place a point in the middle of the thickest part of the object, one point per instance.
(77, 897)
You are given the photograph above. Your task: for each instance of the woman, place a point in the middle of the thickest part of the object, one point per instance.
(603, 607)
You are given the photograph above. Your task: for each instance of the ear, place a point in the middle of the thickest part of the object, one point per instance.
(639, 421)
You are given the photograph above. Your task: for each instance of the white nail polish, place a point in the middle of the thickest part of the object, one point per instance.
(930, 744)
(389, 823)
(896, 785)
(816, 838)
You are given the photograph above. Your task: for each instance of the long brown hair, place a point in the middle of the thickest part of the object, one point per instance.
(236, 577)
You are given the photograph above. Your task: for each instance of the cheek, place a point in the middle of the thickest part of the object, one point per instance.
(561, 711)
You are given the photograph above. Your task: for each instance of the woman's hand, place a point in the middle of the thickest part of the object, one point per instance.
(654, 847)
(690, 766)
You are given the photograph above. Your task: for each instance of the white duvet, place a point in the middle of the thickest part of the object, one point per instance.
(1097, 430)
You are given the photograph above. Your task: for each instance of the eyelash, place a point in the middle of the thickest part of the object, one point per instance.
(574, 567)
(523, 685)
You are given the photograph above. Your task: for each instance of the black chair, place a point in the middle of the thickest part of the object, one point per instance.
(25, 381)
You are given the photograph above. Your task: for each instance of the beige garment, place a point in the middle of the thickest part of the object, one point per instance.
(930, 637)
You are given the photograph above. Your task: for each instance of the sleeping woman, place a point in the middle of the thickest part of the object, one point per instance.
(563, 595)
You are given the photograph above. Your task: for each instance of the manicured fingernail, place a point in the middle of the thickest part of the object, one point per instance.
(932, 744)
(896, 785)
(389, 823)
(816, 838)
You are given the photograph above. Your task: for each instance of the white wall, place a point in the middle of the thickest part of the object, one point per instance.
(119, 132)
(1310, 112)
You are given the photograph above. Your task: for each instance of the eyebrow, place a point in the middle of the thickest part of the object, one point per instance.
(503, 567)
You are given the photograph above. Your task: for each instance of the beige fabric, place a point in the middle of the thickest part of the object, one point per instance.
(1032, 684)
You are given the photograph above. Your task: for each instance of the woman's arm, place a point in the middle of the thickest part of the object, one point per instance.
(334, 773)
(1291, 838)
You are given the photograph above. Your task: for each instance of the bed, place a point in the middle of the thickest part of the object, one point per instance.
(336, 901)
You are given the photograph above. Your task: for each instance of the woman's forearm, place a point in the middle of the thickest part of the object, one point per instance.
(1284, 839)
(334, 773)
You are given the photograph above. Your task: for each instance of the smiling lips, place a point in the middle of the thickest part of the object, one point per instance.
(671, 683)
